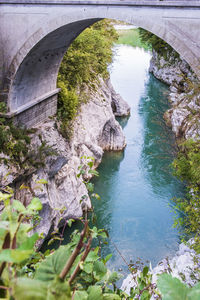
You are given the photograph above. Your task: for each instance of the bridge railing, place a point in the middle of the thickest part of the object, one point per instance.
(179, 3)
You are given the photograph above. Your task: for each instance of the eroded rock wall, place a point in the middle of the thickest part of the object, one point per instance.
(184, 114)
(95, 129)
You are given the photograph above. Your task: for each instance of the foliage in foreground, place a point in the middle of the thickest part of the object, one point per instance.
(74, 271)
(87, 58)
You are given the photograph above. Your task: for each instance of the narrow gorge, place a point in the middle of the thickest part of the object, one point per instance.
(125, 114)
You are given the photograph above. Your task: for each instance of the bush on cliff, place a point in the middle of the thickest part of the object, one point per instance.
(156, 43)
(187, 168)
(87, 58)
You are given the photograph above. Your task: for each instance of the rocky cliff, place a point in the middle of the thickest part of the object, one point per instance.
(183, 116)
(95, 129)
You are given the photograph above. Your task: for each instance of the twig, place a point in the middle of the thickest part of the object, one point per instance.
(4, 287)
(83, 258)
(74, 254)
(73, 294)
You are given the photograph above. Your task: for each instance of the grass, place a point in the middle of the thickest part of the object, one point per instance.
(131, 37)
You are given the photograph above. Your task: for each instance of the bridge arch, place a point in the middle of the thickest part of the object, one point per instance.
(32, 74)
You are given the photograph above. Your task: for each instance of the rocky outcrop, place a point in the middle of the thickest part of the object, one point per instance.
(184, 265)
(183, 116)
(94, 130)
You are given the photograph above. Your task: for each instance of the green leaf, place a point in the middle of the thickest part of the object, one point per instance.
(111, 297)
(145, 271)
(14, 255)
(53, 264)
(99, 270)
(90, 186)
(30, 289)
(106, 259)
(93, 172)
(17, 205)
(93, 255)
(113, 277)
(90, 164)
(94, 232)
(35, 204)
(145, 295)
(81, 295)
(88, 267)
(42, 181)
(4, 197)
(95, 292)
(58, 290)
(69, 222)
(171, 288)
(194, 292)
(29, 243)
(96, 196)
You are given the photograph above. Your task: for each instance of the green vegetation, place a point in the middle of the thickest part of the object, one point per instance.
(132, 37)
(187, 168)
(156, 43)
(139, 37)
(74, 271)
(86, 59)
(77, 271)
(15, 147)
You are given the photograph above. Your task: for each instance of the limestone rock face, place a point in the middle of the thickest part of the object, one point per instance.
(184, 265)
(183, 116)
(170, 69)
(119, 106)
(94, 130)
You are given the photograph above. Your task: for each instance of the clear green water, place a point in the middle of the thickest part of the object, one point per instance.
(136, 186)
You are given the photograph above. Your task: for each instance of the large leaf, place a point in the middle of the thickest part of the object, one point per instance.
(18, 206)
(58, 290)
(99, 270)
(53, 264)
(172, 288)
(95, 292)
(15, 255)
(81, 295)
(31, 289)
(111, 297)
(29, 243)
(194, 292)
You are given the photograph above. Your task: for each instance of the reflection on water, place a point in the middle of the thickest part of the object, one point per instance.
(137, 185)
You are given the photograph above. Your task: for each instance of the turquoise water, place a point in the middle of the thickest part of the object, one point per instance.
(136, 186)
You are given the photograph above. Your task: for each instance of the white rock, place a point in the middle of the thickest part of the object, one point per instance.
(94, 130)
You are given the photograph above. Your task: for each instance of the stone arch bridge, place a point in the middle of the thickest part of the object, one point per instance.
(35, 34)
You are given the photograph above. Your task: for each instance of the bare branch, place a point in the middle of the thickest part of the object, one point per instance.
(74, 254)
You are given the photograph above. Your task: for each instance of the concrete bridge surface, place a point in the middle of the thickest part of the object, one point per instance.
(35, 34)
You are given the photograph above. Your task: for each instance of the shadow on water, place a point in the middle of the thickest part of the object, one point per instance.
(159, 147)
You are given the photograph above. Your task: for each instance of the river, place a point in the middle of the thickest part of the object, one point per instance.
(136, 186)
